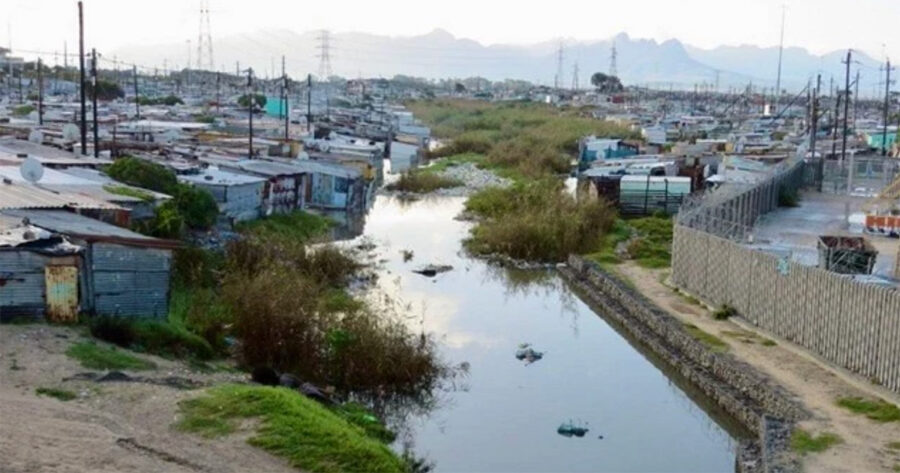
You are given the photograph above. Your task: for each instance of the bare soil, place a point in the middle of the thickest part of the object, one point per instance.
(816, 384)
(109, 427)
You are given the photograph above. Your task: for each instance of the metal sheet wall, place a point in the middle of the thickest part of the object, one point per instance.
(130, 281)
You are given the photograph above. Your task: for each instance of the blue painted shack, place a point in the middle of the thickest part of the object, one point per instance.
(57, 264)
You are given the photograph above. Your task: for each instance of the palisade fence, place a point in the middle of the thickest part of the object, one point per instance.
(851, 324)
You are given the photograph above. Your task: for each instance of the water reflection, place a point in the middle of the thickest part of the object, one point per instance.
(503, 415)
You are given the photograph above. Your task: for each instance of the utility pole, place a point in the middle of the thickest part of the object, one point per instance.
(81, 83)
(814, 131)
(309, 103)
(887, 106)
(137, 97)
(559, 67)
(40, 73)
(846, 108)
(284, 98)
(856, 99)
(94, 99)
(251, 102)
(575, 76)
(218, 96)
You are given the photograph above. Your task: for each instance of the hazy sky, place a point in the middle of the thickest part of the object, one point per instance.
(818, 25)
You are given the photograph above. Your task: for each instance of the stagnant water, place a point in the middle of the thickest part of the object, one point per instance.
(506, 413)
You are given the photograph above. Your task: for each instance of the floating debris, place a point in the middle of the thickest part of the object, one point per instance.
(407, 255)
(433, 270)
(528, 354)
(568, 429)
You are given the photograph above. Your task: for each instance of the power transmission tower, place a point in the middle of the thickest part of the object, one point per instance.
(780, 54)
(557, 84)
(324, 54)
(204, 39)
(613, 70)
(575, 76)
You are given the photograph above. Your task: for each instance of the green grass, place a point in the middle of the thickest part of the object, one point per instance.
(875, 409)
(893, 446)
(93, 356)
(804, 442)
(22, 110)
(724, 312)
(712, 342)
(653, 246)
(422, 182)
(298, 225)
(159, 337)
(619, 233)
(310, 436)
(442, 164)
(129, 192)
(769, 342)
(60, 394)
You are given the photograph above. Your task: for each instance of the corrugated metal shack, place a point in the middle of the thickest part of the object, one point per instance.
(58, 264)
(240, 197)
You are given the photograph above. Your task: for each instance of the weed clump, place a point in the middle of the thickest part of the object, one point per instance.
(724, 312)
(61, 394)
(652, 248)
(93, 356)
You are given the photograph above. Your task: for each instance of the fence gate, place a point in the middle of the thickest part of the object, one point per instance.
(62, 293)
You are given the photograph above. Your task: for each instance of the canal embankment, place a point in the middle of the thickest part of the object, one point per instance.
(760, 405)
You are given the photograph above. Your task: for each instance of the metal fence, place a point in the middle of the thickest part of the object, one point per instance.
(851, 324)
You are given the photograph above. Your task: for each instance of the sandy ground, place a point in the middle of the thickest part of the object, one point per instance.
(814, 383)
(110, 427)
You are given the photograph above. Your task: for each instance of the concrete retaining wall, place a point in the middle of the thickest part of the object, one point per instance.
(755, 401)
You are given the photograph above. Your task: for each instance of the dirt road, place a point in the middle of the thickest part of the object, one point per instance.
(815, 384)
(109, 427)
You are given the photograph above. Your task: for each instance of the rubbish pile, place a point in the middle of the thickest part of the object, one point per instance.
(432, 270)
(569, 429)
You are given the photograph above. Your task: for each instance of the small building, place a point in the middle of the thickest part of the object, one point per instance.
(240, 197)
(846, 255)
(332, 186)
(283, 190)
(57, 264)
(404, 156)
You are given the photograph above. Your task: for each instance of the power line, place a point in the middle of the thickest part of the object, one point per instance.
(324, 55)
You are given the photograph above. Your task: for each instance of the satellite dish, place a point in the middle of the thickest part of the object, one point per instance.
(71, 132)
(32, 170)
(36, 136)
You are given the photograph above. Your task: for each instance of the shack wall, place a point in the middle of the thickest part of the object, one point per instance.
(130, 281)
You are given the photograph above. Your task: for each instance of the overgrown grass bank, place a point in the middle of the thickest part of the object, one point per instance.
(298, 225)
(310, 436)
(536, 221)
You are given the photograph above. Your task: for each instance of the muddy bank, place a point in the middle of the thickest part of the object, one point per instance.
(752, 399)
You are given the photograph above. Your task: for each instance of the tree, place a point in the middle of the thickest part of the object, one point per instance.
(459, 88)
(244, 100)
(106, 90)
(606, 84)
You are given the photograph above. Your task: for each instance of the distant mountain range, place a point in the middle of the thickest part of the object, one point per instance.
(439, 54)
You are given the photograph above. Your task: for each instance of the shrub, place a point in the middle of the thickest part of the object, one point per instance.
(22, 110)
(291, 313)
(61, 394)
(258, 99)
(297, 225)
(788, 197)
(142, 173)
(724, 312)
(652, 248)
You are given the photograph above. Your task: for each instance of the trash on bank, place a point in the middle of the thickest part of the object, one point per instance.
(569, 429)
(432, 270)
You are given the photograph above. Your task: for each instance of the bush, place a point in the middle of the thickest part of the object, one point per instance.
(788, 197)
(298, 225)
(93, 356)
(23, 110)
(258, 99)
(537, 222)
(724, 312)
(142, 173)
(652, 248)
(292, 313)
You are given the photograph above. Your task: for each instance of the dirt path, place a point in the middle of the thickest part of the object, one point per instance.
(109, 427)
(814, 383)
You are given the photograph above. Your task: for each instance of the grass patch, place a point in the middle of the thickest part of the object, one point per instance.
(769, 342)
(893, 446)
(652, 248)
(93, 356)
(129, 192)
(619, 233)
(308, 435)
(422, 182)
(151, 336)
(712, 342)
(298, 225)
(875, 409)
(537, 221)
(22, 110)
(60, 394)
(442, 164)
(804, 442)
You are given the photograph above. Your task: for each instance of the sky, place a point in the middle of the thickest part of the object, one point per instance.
(817, 25)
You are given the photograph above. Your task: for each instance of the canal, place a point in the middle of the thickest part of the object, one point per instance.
(504, 414)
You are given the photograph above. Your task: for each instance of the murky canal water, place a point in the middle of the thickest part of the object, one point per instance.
(507, 416)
